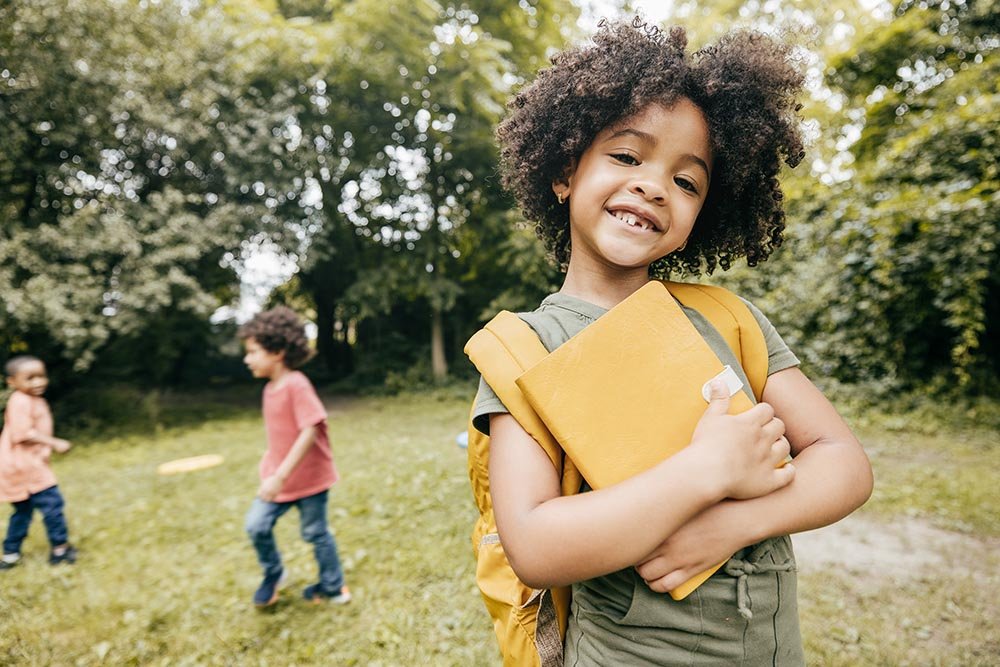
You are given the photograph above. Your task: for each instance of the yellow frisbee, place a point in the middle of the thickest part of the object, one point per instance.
(189, 464)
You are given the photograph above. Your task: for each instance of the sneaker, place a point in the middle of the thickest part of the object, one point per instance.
(267, 594)
(67, 556)
(317, 595)
(9, 561)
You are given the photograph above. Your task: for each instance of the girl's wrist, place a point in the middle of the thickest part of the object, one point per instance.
(751, 527)
(703, 469)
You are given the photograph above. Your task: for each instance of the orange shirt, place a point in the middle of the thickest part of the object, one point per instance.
(24, 468)
(290, 407)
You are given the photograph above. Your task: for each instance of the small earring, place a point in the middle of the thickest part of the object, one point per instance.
(561, 197)
(682, 246)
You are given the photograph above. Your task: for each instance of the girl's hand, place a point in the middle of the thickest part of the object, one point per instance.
(269, 489)
(61, 446)
(745, 450)
(701, 543)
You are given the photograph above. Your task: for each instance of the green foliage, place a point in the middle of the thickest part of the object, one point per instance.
(358, 136)
(118, 207)
(891, 272)
(915, 231)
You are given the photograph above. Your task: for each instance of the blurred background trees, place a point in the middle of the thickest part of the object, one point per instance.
(149, 149)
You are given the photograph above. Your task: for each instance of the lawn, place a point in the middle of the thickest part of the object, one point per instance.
(166, 574)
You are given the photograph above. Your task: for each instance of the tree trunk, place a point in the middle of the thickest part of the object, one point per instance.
(439, 366)
(325, 344)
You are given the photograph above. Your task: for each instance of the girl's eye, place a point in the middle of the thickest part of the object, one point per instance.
(686, 184)
(625, 158)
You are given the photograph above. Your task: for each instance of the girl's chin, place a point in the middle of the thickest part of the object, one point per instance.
(628, 258)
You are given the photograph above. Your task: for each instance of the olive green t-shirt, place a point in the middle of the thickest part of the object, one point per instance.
(616, 619)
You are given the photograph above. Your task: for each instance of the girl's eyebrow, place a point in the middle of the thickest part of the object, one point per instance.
(698, 161)
(639, 134)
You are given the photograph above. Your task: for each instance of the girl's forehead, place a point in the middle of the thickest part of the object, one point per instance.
(682, 124)
(658, 113)
(29, 369)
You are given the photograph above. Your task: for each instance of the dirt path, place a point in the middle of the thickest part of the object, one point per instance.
(902, 549)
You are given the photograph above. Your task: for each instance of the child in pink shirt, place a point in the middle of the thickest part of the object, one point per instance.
(26, 480)
(297, 469)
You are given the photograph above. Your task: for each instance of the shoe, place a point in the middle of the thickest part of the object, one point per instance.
(9, 561)
(68, 556)
(317, 595)
(267, 593)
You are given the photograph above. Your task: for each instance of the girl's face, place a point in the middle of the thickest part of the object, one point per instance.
(262, 362)
(30, 378)
(638, 188)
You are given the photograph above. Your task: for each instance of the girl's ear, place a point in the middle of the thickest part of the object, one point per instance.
(562, 185)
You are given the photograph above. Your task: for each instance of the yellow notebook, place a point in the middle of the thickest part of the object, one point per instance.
(626, 392)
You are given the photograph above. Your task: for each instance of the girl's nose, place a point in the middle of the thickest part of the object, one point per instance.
(649, 190)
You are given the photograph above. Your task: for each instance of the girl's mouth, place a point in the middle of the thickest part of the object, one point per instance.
(633, 220)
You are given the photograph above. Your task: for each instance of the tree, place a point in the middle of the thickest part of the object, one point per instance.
(133, 172)
(428, 161)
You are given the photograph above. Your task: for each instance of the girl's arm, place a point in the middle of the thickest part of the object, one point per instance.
(21, 424)
(552, 540)
(833, 478)
(33, 438)
(270, 487)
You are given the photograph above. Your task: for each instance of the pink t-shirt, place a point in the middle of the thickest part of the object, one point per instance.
(289, 407)
(24, 469)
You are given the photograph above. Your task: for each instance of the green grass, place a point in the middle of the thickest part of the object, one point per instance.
(166, 573)
(938, 618)
(951, 478)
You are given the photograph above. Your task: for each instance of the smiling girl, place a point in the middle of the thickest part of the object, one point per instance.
(635, 159)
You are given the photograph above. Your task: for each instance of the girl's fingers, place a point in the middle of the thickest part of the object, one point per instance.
(761, 414)
(785, 474)
(780, 449)
(772, 431)
(666, 583)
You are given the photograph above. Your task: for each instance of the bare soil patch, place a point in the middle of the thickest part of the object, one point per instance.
(903, 549)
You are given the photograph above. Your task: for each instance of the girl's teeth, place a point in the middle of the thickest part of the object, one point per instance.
(631, 220)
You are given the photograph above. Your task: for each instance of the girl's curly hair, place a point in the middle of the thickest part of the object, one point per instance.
(745, 85)
(280, 329)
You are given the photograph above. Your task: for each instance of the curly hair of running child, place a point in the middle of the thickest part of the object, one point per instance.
(280, 329)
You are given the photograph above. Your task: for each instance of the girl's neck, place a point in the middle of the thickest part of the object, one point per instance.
(279, 374)
(602, 286)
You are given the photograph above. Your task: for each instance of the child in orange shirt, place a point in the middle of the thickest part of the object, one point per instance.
(26, 480)
(297, 469)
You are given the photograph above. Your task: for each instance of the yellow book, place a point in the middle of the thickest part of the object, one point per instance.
(627, 392)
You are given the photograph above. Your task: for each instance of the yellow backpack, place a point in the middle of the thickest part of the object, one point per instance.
(530, 624)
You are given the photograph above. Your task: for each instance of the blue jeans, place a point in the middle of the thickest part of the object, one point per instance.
(313, 528)
(50, 503)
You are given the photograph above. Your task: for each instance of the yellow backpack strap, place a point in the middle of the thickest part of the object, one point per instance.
(733, 320)
(501, 351)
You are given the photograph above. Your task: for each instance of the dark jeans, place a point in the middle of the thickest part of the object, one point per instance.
(50, 503)
(313, 528)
